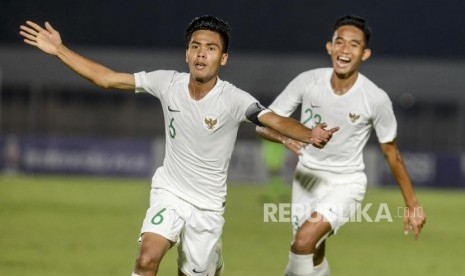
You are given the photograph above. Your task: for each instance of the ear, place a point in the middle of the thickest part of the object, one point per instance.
(224, 59)
(186, 56)
(328, 47)
(366, 54)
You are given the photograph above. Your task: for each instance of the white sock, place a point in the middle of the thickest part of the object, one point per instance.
(299, 265)
(134, 274)
(321, 269)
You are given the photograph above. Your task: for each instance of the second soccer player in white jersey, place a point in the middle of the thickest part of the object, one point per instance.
(202, 114)
(330, 182)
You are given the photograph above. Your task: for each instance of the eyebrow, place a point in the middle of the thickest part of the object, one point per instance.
(208, 44)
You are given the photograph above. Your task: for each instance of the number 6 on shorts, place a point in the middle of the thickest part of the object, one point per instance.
(158, 218)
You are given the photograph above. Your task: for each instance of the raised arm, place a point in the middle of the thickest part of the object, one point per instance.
(49, 41)
(414, 216)
(280, 129)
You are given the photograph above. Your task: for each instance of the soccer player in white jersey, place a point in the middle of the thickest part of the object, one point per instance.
(329, 182)
(202, 114)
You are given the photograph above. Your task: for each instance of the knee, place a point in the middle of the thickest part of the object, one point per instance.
(145, 263)
(303, 245)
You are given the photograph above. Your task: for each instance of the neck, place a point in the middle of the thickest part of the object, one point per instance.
(198, 90)
(342, 83)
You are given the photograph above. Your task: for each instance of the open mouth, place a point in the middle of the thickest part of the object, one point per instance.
(200, 65)
(343, 61)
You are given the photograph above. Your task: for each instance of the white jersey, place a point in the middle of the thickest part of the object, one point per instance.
(364, 107)
(200, 136)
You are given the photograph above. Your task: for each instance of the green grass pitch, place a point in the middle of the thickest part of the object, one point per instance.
(69, 226)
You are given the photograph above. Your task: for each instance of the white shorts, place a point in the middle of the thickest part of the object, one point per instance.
(197, 231)
(335, 196)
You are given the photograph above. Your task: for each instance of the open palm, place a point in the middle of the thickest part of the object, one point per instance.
(48, 39)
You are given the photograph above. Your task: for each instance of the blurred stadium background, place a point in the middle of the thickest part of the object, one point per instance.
(54, 122)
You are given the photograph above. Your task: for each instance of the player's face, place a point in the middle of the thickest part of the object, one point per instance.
(347, 50)
(204, 55)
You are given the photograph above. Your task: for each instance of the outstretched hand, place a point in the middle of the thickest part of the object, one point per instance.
(321, 136)
(46, 39)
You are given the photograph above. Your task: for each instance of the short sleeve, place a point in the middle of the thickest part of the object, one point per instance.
(237, 102)
(384, 120)
(290, 98)
(153, 82)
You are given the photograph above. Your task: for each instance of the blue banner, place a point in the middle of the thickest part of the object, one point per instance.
(430, 170)
(79, 156)
(139, 158)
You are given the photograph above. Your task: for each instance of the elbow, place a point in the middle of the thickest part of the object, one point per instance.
(105, 79)
(102, 83)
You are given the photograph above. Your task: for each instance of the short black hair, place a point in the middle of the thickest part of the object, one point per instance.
(357, 22)
(210, 23)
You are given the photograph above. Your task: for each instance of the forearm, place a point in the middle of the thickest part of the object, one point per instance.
(285, 128)
(414, 216)
(295, 130)
(96, 73)
(400, 174)
(403, 181)
(270, 134)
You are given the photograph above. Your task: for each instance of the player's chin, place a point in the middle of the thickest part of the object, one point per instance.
(202, 78)
(342, 71)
